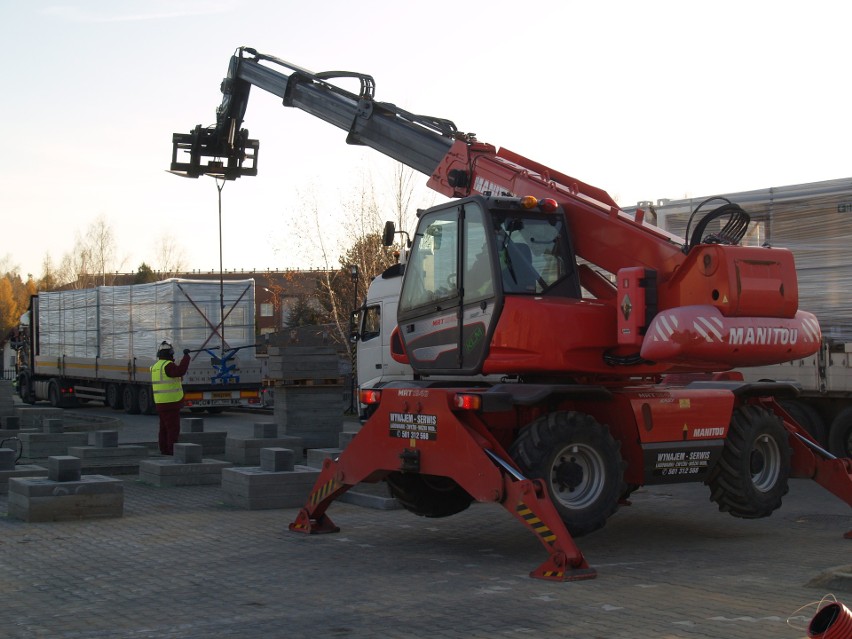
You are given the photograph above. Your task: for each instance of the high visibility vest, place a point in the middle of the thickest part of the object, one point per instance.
(166, 389)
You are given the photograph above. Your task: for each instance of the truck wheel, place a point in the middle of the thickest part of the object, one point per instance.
(129, 400)
(840, 437)
(53, 394)
(580, 463)
(113, 397)
(808, 417)
(750, 477)
(428, 495)
(145, 400)
(25, 390)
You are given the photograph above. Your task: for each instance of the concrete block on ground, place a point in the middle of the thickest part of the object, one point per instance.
(33, 416)
(52, 426)
(121, 460)
(187, 453)
(168, 472)
(213, 443)
(64, 468)
(192, 425)
(255, 489)
(106, 438)
(265, 430)
(42, 499)
(41, 445)
(12, 422)
(277, 460)
(245, 451)
(316, 456)
(7, 458)
(20, 470)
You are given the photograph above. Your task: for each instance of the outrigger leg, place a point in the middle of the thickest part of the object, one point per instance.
(372, 455)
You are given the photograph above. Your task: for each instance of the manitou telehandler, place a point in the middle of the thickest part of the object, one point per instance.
(611, 338)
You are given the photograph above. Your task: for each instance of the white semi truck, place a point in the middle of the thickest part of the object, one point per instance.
(98, 344)
(813, 221)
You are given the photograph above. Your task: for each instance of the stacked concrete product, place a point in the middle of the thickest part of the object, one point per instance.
(277, 483)
(53, 440)
(185, 468)
(9, 470)
(245, 451)
(192, 432)
(308, 393)
(64, 494)
(107, 456)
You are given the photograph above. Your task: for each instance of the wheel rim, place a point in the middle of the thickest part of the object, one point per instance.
(765, 463)
(577, 476)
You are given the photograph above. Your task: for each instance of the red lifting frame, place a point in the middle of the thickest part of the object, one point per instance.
(465, 452)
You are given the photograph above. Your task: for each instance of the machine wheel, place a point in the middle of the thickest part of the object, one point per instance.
(808, 417)
(750, 477)
(840, 437)
(145, 400)
(428, 495)
(129, 399)
(113, 397)
(579, 462)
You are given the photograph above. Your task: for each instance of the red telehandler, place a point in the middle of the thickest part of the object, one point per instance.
(613, 340)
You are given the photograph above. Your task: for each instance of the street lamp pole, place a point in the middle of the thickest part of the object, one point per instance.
(353, 273)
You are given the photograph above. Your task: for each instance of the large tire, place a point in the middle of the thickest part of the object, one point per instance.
(751, 475)
(130, 399)
(580, 464)
(840, 436)
(25, 390)
(808, 418)
(428, 495)
(53, 394)
(113, 397)
(145, 400)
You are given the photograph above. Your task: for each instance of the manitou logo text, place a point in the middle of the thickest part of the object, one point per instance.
(708, 432)
(763, 336)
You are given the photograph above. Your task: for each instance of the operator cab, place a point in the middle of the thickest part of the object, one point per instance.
(466, 257)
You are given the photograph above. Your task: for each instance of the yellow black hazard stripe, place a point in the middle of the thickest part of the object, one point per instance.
(324, 491)
(540, 528)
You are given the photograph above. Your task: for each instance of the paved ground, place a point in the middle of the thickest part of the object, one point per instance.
(180, 564)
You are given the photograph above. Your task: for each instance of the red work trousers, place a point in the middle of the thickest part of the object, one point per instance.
(169, 426)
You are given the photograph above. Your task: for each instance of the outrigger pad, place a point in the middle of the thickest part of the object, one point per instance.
(319, 525)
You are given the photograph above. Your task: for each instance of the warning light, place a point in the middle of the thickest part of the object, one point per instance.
(528, 202)
(548, 205)
(370, 396)
(468, 401)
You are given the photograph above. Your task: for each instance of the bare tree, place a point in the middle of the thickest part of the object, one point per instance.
(170, 257)
(92, 261)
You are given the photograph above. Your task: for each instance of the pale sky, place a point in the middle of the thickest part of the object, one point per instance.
(646, 100)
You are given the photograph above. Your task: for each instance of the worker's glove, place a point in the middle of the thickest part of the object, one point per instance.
(186, 351)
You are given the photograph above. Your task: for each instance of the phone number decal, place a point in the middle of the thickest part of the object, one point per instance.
(411, 426)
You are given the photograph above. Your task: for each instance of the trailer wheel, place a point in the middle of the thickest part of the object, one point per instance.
(129, 399)
(113, 397)
(53, 394)
(751, 476)
(145, 400)
(25, 390)
(808, 417)
(580, 463)
(428, 495)
(840, 437)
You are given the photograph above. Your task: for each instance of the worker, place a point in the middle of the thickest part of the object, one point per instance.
(168, 394)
